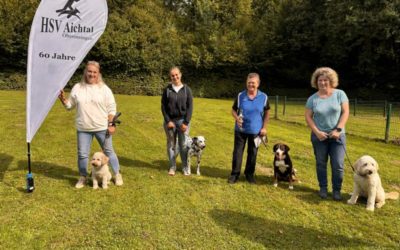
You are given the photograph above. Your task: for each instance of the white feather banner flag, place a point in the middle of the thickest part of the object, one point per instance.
(62, 33)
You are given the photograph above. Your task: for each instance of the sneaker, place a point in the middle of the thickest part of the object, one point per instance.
(323, 193)
(81, 182)
(171, 172)
(250, 179)
(337, 196)
(186, 171)
(232, 179)
(118, 180)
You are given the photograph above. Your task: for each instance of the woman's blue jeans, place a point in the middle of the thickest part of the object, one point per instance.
(172, 135)
(335, 150)
(84, 143)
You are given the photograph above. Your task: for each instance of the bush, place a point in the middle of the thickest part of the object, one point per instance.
(12, 81)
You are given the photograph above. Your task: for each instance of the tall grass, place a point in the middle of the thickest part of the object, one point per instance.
(155, 211)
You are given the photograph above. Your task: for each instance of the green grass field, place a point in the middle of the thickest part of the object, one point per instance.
(155, 211)
(369, 121)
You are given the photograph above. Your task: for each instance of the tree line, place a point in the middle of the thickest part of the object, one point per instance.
(217, 42)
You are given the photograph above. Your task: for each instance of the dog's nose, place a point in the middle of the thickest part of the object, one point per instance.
(369, 172)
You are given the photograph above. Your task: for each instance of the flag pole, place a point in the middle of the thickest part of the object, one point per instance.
(30, 186)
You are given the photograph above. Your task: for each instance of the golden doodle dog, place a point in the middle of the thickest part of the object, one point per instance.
(367, 183)
(100, 172)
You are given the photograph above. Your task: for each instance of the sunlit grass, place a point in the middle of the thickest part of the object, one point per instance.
(154, 210)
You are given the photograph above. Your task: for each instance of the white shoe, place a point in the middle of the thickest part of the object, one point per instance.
(118, 180)
(186, 171)
(81, 182)
(171, 171)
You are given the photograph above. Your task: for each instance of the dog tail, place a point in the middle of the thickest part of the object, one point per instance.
(392, 196)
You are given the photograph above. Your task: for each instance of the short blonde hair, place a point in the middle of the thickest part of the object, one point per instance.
(97, 65)
(325, 71)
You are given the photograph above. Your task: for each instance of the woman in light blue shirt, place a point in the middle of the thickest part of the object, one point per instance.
(326, 114)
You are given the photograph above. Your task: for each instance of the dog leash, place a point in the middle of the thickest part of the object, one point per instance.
(264, 141)
(347, 156)
(114, 123)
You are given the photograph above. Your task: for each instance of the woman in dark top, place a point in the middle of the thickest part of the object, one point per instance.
(177, 108)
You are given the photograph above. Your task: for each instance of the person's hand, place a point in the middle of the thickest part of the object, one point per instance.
(170, 125)
(111, 130)
(322, 136)
(239, 121)
(61, 96)
(263, 131)
(184, 127)
(334, 134)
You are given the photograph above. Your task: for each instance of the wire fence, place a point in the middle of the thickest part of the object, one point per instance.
(371, 119)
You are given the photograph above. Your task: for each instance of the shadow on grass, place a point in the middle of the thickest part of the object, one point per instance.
(212, 172)
(51, 170)
(163, 165)
(157, 165)
(5, 160)
(311, 195)
(280, 235)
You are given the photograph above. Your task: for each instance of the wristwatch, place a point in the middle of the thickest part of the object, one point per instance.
(338, 129)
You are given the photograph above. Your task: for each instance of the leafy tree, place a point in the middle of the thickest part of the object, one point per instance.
(15, 18)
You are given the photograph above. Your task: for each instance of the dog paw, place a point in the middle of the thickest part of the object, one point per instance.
(370, 208)
(95, 187)
(379, 204)
(350, 202)
(275, 184)
(291, 187)
(105, 187)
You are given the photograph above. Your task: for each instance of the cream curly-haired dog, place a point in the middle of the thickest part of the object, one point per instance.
(367, 183)
(100, 172)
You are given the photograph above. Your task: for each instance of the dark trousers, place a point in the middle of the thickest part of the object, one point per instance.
(238, 149)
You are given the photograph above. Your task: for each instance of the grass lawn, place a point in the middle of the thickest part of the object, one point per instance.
(155, 211)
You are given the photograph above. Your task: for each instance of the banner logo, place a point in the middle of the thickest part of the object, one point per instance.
(69, 10)
(62, 33)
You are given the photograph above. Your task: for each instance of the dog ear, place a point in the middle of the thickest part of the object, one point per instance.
(358, 163)
(275, 148)
(375, 163)
(287, 147)
(195, 139)
(104, 160)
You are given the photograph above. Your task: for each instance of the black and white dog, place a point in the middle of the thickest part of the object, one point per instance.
(283, 168)
(195, 147)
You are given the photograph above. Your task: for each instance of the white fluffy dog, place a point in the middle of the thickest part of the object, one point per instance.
(367, 183)
(100, 172)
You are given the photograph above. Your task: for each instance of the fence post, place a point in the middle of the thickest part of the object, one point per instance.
(276, 106)
(385, 108)
(284, 105)
(388, 115)
(355, 106)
